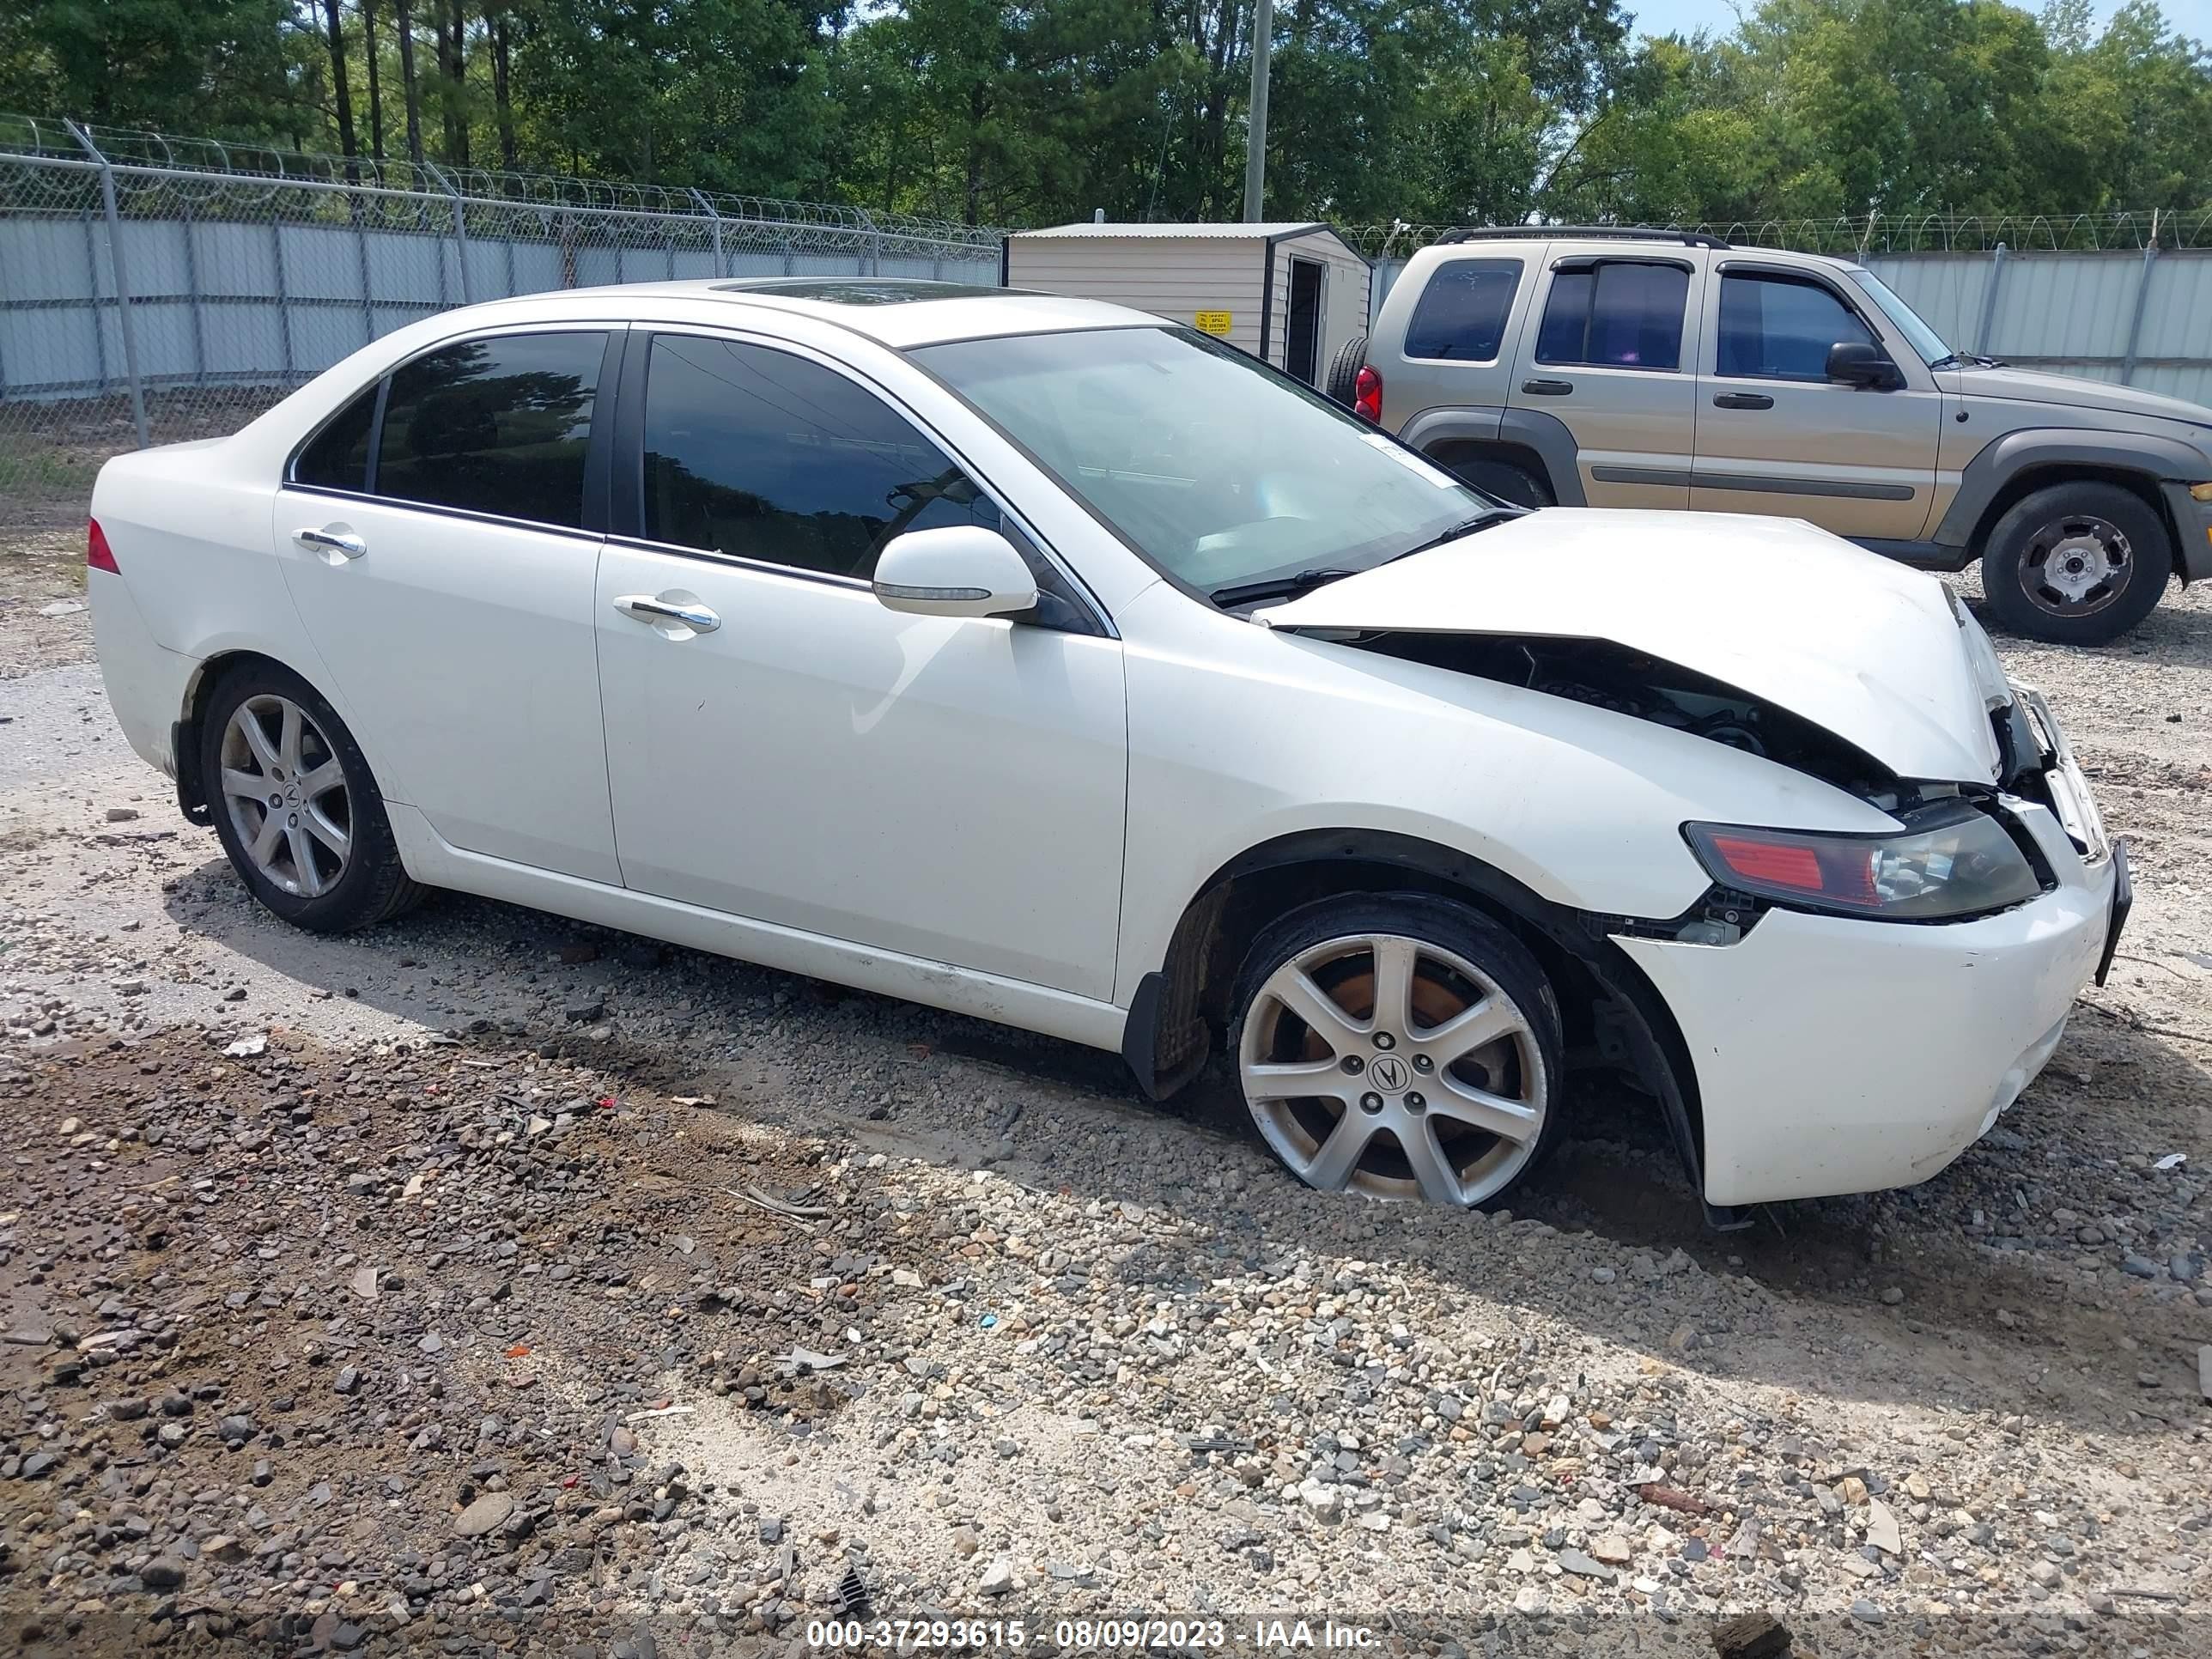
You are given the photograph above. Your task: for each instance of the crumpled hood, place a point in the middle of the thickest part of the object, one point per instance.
(1866, 649)
(2028, 385)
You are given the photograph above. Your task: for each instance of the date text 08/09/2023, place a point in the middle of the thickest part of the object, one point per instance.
(1090, 1635)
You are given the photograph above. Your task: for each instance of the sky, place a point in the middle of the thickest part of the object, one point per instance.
(2191, 17)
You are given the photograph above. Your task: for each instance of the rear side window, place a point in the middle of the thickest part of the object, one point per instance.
(759, 454)
(1617, 314)
(1775, 328)
(1462, 312)
(338, 458)
(496, 426)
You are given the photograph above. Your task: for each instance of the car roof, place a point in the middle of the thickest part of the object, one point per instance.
(898, 312)
(1650, 245)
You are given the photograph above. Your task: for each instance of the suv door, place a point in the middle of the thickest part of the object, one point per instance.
(438, 536)
(944, 787)
(1611, 356)
(1776, 435)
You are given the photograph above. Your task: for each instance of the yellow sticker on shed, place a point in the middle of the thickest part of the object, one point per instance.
(1215, 322)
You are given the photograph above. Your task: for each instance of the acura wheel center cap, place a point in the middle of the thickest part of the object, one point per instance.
(1389, 1073)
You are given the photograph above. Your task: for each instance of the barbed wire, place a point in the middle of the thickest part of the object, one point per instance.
(233, 169)
(1901, 232)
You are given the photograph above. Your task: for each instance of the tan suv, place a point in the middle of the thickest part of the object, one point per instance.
(1624, 368)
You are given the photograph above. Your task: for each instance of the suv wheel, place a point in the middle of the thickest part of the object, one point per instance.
(1402, 1046)
(295, 806)
(1503, 479)
(2076, 564)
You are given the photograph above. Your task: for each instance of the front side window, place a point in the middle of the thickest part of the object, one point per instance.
(1774, 328)
(1216, 469)
(496, 426)
(1462, 312)
(338, 457)
(1617, 314)
(759, 454)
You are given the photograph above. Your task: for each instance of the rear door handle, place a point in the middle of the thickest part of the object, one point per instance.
(1547, 388)
(645, 608)
(1742, 400)
(342, 542)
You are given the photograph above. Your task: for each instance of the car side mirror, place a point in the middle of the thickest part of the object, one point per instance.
(1854, 362)
(960, 570)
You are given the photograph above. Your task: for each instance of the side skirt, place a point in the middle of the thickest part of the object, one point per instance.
(431, 859)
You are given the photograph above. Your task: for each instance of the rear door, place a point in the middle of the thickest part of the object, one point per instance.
(1776, 435)
(1612, 357)
(436, 536)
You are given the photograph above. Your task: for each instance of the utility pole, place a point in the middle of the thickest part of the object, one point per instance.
(1255, 146)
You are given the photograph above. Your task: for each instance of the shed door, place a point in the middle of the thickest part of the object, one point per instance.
(1301, 349)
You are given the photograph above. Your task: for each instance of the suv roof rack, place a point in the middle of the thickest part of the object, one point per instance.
(1623, 233)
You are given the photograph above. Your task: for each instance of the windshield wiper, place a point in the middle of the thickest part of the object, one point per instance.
(1967, 360)
(1277, 587)
(1481, 520)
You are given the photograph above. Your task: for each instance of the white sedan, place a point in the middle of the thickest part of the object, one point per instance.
(1038, 660)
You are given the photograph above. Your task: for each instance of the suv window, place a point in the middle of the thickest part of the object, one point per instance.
(1615, 314)
(1774, 328)
(764, 455)
(1462, 312)
(338, 457)
(494, 426)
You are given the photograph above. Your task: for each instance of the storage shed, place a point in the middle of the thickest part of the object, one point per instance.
(1294, 295)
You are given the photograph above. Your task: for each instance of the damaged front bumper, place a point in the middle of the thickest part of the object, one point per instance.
(1834, 1054)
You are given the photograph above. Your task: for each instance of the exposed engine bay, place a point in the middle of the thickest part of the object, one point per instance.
(1609, 676)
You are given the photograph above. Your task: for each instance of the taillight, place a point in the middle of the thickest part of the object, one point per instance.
(1367, 395)
(98, 555)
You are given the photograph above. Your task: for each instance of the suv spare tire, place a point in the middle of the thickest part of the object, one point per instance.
(1342, 384)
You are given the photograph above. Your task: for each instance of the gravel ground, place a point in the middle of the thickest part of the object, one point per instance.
(489, 1282)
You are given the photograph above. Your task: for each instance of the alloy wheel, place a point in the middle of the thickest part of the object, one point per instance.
(286, 793)
(1386, 1064)
(2076, 565)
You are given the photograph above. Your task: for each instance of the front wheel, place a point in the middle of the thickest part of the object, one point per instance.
(2076, 564)
(1402, 1046)
(296, 808)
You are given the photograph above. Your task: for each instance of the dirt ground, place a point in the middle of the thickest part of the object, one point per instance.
(487, 1282)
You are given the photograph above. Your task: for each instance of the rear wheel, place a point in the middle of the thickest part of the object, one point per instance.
(296, 808)
(1507, 480)
(1342, 384)
(1402, 1046)
(2076, 564)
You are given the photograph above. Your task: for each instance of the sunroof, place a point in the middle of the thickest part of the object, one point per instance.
(863, 290)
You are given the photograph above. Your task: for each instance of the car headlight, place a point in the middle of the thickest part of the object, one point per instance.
(2200, 492)
(1946, 862)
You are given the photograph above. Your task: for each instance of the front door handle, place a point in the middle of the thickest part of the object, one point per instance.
(1742, 400)
(645, 608)
(332, 545)
(1547, 388)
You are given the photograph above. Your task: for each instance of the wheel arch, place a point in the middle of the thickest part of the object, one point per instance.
(1610, 1008)
(2017, 465)
(192, 798)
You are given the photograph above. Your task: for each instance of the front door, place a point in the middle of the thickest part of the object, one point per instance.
(1612, 358)
(947, 789)
(1776, 435)
(433, 538)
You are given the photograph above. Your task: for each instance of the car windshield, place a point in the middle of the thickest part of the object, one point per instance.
(1221, 472)
(1923, 339)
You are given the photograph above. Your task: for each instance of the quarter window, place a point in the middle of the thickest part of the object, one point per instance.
(338, 458)
(1462, 312)
(1775, 328)
(1617, 314)
(764, 455)
(496, 426)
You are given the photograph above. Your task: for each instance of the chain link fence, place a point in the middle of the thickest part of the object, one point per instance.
(154, 289)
